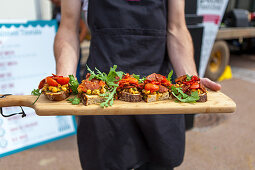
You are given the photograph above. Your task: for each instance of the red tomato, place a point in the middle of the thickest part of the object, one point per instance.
(194, 86)
(41, 84)
(151, 87)
(63, 80)
(51, 82)
(156, 82)
(195, 78)
(133, 80)
(101, 83)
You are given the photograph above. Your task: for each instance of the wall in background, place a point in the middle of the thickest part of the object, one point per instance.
(25, 9)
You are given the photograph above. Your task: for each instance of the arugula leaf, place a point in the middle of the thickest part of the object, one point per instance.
(111, 80)
(111, 102)
(169, 77)
(181, 96)
(188, 77)
(36, 92)
(182, 93)
(74, 101)
(138, 78)
(141, 80)
(112, 84)
(73, 82)
(113, 74)
(109, 98)
(101, 76)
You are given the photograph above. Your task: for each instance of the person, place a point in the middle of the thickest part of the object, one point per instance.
(138, 36)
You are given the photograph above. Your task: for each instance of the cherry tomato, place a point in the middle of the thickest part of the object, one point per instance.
(194, 86)
(63, 80)
(151, 87)
(51, 82)
(41, 84)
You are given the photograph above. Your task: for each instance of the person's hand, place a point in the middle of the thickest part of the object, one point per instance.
(210, 84)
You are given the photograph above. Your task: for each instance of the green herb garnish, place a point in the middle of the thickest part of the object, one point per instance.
(138, 78)
(111, 79)
(36, 92)
(74, 101)
(99, 75)
(169, 77)
(73, 84)
(109, 97)
(188, 77)
(182, 97)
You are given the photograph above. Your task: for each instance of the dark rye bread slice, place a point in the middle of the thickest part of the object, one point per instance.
(91, 99)
(156, 97)
(57, 96)
(202, 97)
(128, 97)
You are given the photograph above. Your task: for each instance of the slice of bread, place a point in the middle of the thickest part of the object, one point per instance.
(91, 99)
(202, 97)
(128, 97)
(156, 97)
(57, 96)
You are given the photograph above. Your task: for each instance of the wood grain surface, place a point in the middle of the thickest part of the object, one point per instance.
(217, 103)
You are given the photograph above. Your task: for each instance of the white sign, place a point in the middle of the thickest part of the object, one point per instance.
(212, 11)
(26, 57)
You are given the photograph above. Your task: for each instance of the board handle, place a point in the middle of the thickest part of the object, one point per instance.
(17, 100)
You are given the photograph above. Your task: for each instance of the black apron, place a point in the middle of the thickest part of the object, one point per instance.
(132, 35)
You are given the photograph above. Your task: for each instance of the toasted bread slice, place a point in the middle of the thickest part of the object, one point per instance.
(128, 97)
(88, 99)
(156, 97)
(202, 97)
(62, 95)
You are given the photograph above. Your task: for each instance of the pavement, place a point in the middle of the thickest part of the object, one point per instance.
(227, 142)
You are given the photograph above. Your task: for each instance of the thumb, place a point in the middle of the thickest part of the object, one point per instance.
(210, 84)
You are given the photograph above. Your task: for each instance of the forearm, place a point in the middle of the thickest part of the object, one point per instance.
(66, 45)
(66, 51)
(180, 50)
(179, 42)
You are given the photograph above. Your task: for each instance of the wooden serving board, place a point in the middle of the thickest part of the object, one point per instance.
(217, 103)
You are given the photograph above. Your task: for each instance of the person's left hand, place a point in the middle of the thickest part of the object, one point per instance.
(210, 84)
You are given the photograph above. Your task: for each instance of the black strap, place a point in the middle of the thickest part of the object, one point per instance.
(1, 109)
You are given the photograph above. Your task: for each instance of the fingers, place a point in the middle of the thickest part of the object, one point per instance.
(210, 84)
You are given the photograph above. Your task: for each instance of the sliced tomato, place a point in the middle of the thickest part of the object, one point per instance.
(167, 84)
(51, 82)
(195, 78)
(151, 87)
(133, 80)
(194, 86)
(41, 84)
(101, 83)
(63, 80)
(156, 82)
